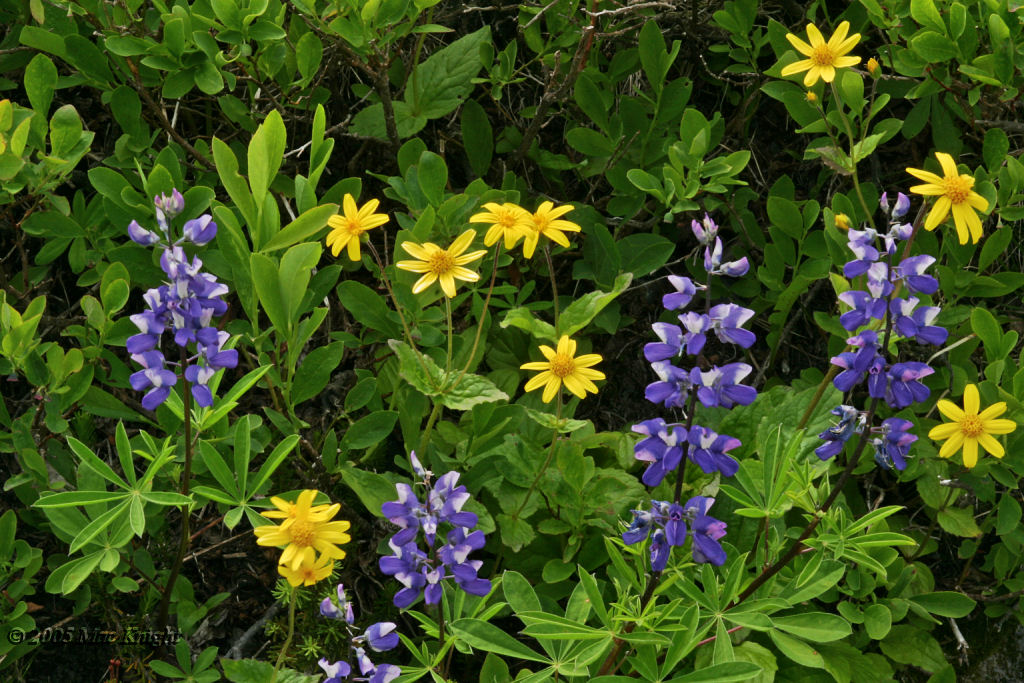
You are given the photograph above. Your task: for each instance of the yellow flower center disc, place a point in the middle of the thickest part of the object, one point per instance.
(562, 366)
(957, 189)
(302, 533)
(823, 56)
(971, 426)
(507, 219)
(441, 262)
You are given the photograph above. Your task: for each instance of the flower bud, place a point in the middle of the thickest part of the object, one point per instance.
(873, 68)
(142, 236)
(842, 221)
(171, 205)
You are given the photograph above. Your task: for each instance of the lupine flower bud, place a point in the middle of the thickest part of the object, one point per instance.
(171, 205)
(141, 235)
(705, 231)
(200, 230)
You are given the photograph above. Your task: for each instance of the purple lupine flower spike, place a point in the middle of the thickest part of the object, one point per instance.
(671, 343)
(851, 421)
(418, 572)
(673, 388)
(336, 672)
(704, 231)
(200, 230)
(381, 636)
(706, 532)
(685, 291)
(152, 375)
(892, 448)
(727, 321)
(709, 451)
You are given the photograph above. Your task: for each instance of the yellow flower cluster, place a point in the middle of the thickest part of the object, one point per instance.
(307, 529)
(563, 366)
(955, 192)
(508, 221)
(970, 428)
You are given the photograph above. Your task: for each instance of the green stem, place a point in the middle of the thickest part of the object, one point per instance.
(398, 309)
(448, 319)
(554, 285)
(483, 318)
(186, 479)
(853, 161)
(536, 479)
(291, 632)
(425, 437)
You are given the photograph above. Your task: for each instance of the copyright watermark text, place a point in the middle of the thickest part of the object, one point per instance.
(87, 635)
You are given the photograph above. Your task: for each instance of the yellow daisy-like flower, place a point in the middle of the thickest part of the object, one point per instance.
(507, 220)
(823, 58)
(307, 572)
(348, 229)
(954, 192)
(306, 530)
(562, 368)
(545, 221)
(442, 265)
(969, 427)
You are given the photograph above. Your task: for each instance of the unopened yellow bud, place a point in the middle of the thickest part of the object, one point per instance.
(842, 221)
(811, 97)
(873, 67)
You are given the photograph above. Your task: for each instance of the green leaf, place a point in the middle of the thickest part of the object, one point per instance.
(65, 131)
(227, 168)
(373, 489)
(519, 594)
(524, 319)
(75, 498)
(725, 672)
(306, 225)
(644, 253)
(910, 645)
(315, 371)
(925, 13)
(272, 462)
(563, 425)
(1007, 516)
(946, 603)
(256, 671)
(432, 174)
(266, 151)
(367, 307)
(542, 625)
(995, 148)
(166, 498)
(797, 650)
(959, 522)
(418, 369)
(580, 312)
(96, 526)
(370, 430)
(477, 137)
(515, 533)
(489, 638)
(819, 627)
(933, 47)
(877, 621)
(985, 326)
(230, 399)
(470, 391)
(101, 468)
(293, 277)
(439, 83)
(266, 278)
(40, 82)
